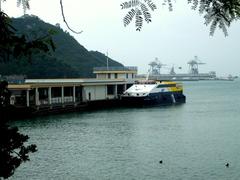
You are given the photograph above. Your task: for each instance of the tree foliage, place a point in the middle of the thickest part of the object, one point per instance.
(25, 5)
(13, 45)
(12, 149)
(70, 59)
(138, 10)
(217, 13)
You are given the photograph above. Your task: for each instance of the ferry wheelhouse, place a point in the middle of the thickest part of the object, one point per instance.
(150, 92)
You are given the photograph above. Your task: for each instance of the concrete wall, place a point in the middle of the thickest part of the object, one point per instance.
(97, 92)
(112, 76)
(131, 76)
(101, 76)
(119, 76)
(100, 92)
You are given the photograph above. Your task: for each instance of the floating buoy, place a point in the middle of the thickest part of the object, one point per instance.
(227, 165)
(160, 162)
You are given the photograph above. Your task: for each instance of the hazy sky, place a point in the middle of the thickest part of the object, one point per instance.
(174, 37)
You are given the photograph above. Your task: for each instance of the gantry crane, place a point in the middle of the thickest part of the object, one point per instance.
(193, 65)
(155, 67)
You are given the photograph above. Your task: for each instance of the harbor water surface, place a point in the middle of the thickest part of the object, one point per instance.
(193, 140)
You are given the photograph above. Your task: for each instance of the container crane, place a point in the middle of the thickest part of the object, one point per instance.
(193, 65)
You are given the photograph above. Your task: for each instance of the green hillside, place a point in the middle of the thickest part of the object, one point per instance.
(70, 59)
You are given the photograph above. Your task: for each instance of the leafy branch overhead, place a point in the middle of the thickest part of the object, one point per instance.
(25, 5)
(13, 151)
(217, 13)
(139, 10)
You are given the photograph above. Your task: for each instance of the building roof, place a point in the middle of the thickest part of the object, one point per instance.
(121, 69)
(19, 86)
(41, 83)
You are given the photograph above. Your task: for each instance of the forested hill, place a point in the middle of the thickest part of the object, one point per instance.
(70, 58)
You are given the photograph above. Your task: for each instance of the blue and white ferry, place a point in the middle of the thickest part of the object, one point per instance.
(150, 92)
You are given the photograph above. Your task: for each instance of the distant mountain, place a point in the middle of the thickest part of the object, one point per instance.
(70, 59)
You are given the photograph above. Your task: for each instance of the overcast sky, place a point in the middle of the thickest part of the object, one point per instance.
(174, 37)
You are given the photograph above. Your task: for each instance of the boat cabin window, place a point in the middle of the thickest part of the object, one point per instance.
(145, 82)
(166, 85)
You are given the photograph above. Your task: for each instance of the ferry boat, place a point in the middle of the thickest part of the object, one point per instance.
(151, 92)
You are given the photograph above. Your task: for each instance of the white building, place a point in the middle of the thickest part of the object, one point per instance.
(109, 84)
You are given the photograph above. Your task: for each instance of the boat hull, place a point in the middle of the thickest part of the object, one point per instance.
(154, 99)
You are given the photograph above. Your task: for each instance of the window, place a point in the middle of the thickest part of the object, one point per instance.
(68, 91)
(89, 96)
(132, 76)
(43, 93)
(165, 85)
(127, 75)
(109, 76)
(129, 85)
(120, 89)
(115, 75)
(110, 89)
(56, 92)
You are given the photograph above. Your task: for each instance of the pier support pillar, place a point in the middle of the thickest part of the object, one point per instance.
(125, 87)
(74, 94)
(49, 95)
(62, 94)
(115, 91)
(27, 97)
(36, 97)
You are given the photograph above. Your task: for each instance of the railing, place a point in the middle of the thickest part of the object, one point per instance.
(43, 102)
(68, 99)
(56, 100)
(120, 68)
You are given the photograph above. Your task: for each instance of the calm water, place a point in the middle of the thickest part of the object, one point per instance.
(194, 140)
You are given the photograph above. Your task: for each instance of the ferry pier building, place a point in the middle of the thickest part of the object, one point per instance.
(46, 95)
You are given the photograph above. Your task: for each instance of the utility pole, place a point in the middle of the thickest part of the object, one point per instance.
(107, 60)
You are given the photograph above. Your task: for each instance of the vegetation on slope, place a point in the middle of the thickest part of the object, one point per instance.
(70, 59)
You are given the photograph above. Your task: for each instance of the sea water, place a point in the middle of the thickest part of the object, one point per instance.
(194, 140)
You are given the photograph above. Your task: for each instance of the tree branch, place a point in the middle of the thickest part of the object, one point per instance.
(12, 151)
(64, 20)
